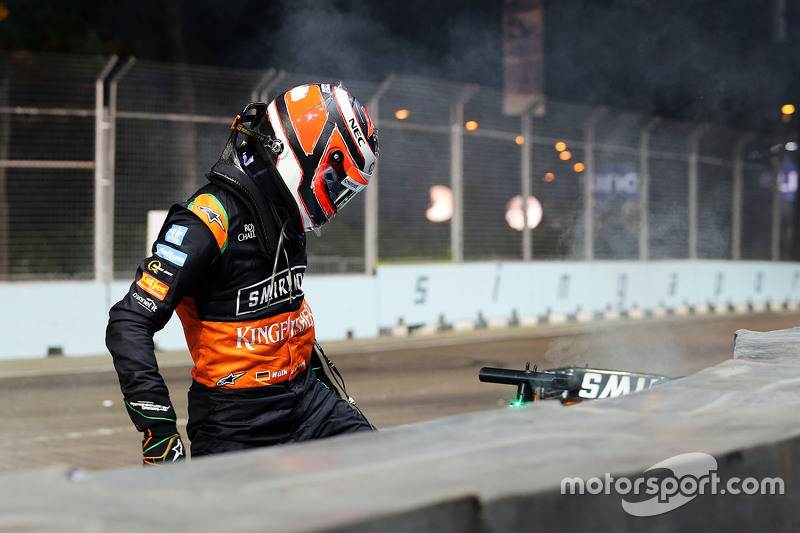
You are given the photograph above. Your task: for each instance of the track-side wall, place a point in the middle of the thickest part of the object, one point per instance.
(69, 318)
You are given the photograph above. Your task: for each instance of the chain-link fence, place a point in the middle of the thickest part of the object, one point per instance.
(90, 145)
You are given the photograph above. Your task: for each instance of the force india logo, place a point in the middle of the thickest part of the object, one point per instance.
(152, 286)
(276, 332)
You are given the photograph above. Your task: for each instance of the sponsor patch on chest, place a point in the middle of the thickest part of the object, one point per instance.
(275, 332)
(271, 291)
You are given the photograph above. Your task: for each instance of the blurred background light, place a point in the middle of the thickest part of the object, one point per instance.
(440, 208)
(516, 218)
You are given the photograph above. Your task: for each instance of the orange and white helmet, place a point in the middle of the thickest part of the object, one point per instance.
(325, 147)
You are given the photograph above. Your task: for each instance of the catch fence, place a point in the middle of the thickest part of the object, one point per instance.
(89, 145)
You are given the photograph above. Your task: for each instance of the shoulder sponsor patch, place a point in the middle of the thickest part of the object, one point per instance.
(156, 267)
(152, 286)
(210, 211)
(248, 232)
(145, 302)
(172, 255)
(175, 234)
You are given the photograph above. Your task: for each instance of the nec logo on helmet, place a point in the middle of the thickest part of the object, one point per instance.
(357, 132)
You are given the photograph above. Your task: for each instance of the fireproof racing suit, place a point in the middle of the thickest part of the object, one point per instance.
(235, 279)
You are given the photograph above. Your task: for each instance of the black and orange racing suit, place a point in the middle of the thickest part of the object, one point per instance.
(247, 324)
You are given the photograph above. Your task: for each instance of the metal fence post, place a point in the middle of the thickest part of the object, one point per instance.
(275, 79)
(111, 150)
(5, 140)
(263, 85)
(775, 233)
(526, 179)
(103, 222)
(589, 128)
(736, 201)
(644, 193)
(457, 172)
(371, 200)
(694, 160)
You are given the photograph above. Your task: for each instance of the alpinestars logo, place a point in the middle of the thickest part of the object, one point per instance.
(177, 450)
(212, 215)
(230, 379)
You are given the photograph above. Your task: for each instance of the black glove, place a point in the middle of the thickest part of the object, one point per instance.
(159, 449)
(154, 416)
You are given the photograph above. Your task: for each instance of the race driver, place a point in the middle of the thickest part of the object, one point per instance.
(231, 262)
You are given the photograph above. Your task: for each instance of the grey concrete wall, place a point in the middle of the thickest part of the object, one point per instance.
(492, 471)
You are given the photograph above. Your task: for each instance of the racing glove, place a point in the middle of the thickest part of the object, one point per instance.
(155, 417)
(160, 449)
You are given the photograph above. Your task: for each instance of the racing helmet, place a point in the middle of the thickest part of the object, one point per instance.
(322, 143)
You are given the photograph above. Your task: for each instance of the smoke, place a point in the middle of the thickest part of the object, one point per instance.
(637, 349)
(369, 40)
(676, 59)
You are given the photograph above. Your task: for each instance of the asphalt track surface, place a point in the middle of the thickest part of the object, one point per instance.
(67, 411)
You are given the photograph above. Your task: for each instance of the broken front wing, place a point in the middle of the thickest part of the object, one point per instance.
(570, 384)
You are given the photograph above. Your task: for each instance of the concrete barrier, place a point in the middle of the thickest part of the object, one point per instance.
(402, 299)
(501, 470)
